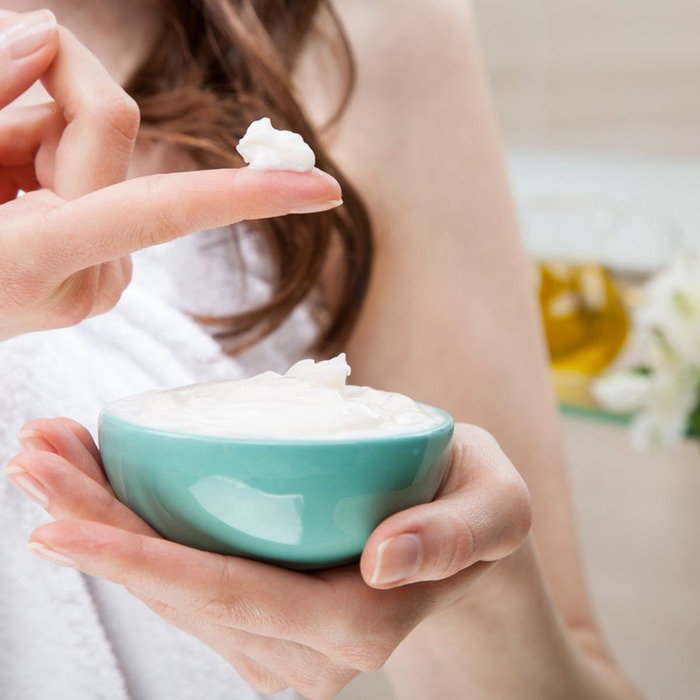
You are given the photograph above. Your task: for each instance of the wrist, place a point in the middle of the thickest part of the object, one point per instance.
(504, 638)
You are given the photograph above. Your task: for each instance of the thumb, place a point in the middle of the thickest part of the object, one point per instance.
(28, 44)
(485, 518)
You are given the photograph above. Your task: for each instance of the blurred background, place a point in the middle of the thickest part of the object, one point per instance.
(599, 103)
(619, 76)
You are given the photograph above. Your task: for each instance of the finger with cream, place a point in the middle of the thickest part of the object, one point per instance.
(310, 401)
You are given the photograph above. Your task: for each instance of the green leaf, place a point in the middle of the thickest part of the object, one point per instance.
(693, 429)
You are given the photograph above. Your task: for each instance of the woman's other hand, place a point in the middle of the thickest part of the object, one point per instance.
(279, 628)
(65, 244)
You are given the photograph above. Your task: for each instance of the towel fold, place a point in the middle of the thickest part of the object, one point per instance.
(62, 635)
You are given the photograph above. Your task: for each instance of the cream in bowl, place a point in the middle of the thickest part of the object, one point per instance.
(295, 468)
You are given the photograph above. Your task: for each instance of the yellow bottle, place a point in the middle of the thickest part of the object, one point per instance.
(585, 320)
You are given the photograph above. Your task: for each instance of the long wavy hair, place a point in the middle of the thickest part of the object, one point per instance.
(218, 65)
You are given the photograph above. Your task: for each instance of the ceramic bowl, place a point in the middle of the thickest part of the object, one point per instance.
(297, 503)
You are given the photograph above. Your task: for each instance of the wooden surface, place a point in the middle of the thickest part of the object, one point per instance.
(601, 74)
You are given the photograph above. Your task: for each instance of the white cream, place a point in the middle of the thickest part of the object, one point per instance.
(265, 148)
(310, 401)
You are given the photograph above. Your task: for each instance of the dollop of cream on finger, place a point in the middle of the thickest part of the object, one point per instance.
(265, 148)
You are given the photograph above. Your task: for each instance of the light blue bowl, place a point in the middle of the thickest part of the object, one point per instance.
(297, 503)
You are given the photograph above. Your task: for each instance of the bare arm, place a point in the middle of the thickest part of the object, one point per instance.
(450, 320)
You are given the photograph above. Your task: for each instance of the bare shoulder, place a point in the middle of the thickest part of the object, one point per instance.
(420, 85)
(401, 49)
(382, 26)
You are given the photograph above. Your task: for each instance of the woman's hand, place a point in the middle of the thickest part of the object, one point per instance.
(65, 244)
(310, 631)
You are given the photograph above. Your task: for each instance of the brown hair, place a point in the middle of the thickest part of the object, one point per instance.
(217, 66)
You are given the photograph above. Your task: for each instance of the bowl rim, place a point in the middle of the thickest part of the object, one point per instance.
(446, 426)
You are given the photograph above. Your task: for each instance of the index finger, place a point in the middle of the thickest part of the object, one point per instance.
(118, 220)
(102, 120)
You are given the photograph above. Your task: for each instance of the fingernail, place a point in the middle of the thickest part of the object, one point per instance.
(51, 555)
(326, 176)
(27, 33)
(398, 558)
(33, 440)
(314, 207)
(27, 484)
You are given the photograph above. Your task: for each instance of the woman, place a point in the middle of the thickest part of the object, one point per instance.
(446, 318)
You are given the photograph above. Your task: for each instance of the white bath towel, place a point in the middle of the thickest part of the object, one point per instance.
(62, 635)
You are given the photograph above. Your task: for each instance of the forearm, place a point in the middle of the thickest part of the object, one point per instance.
(451, 319)
(505, 639)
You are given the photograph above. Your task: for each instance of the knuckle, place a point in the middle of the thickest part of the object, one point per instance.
(164, 610)
(367, 655)
(75, 299)
(107, 302)
(109, 505)
(161, 226)
(460, 552)
(233, 610)
(77, 429)
(520, 509)
(113, 281)
(454, 553)
(476, 435)
(126, 271)
(367, 658)
(320, 679)
(474, 450)
(230, 611)
(71, 311)
(118, 114)
(259, 677)
(514, 497)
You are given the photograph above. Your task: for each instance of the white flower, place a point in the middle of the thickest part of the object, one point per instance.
(622, 392)
(664, 394)
(663, 420)
(662, 401)
(671, 308)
